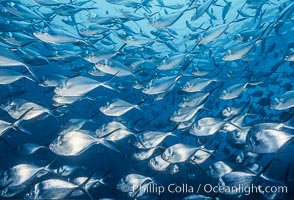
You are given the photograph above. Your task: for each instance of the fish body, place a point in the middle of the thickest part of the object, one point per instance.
(239, 51)
(267, 140)
(117, 108)
(285, 101)
(74, 143)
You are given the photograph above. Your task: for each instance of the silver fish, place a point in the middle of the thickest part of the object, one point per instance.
(237, 177)
(109, 128)
(75, 142)
(186, 113)
(79, 86)
(29, 148)
(113, 67)
(53, 80)
(197, 84)
(206, 126)
(53, 189)
(172, 61)
(150, 139)
(132, 182)
(239, 51)
(200, 156)
(19, 176)
(9, 59)
(144, 154)
(117, 108)
(21, 108)
(267, 140)
(194, 99)
(48, 3)
(178, 153)
(159, 164)
(285, 101)
(235, 90)
(200, 10)
(161, 85)
(219, 169)
(197, 197)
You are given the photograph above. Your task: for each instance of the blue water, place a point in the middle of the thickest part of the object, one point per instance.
(266, 71)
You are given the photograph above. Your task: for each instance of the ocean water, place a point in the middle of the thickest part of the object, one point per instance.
(129, 99)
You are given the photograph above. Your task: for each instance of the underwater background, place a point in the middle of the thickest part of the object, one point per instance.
(129, 99)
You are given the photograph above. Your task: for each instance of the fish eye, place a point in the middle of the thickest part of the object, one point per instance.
(275, 102)
(11, 4)
(237, 37)
(187, 85)
(130, 38)
(227, 111)
(174, 169)
(149, 85)
(223, 93)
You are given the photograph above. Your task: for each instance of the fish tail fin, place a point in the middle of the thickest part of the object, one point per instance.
(85, 188)
(106, 84)
(238, 20)
(73, 18)
(105, 143)
(47, 167)
(139, 108)
(17, 124)
(143, 100)
(254, 83)
(288, 127)
(5, 141)
(20, 128)
(102, 181)
(263, 171)
(185, 66)
(29, 78)
(32, 73)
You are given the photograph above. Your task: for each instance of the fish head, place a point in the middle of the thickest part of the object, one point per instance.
(238, 38)
(199, 157)
(153, 162)
(7, 35)
(34, 193)
(182, 104)
(5, 179)
(255, 142)
(139, 155)
(229, 127)
(227, 112)
(175, 116)
(195, 70)
(223, 94)
(228, 56)
(186, 86)
(275, 103)
(57, 143)
(167, 154)
(122, 186)
(194, 129)
(289, 57)
(5, 192)
(65, 170)
(173, 168)
(10, 105)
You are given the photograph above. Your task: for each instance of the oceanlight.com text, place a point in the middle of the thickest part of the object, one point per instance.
(246, 190)
(208, 189)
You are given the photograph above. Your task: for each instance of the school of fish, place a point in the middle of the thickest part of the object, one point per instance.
(103, 99)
